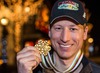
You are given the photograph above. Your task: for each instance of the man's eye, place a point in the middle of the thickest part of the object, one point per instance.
(73, 29)
(58, 28)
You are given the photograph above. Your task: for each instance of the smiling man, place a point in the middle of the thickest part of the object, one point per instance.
(68, 31)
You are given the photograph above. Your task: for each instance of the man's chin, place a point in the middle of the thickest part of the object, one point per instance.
(64, 56)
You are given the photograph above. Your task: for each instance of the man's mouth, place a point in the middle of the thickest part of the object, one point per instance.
(65, 46)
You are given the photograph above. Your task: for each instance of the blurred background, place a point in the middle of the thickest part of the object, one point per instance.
(23, 22)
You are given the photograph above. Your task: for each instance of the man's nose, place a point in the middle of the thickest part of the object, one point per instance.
(66, 35)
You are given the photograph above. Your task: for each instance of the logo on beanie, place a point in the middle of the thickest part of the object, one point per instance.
(70, 5)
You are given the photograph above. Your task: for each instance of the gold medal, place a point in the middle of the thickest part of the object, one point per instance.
(43, 47)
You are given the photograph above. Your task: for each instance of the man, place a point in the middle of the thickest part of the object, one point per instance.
(67, 33)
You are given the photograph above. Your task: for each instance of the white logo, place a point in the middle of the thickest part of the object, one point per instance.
(84, 15)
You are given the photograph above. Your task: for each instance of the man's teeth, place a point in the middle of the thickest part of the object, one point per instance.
(65, 46)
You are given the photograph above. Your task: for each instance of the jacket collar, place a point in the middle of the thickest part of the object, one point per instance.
(87, 68)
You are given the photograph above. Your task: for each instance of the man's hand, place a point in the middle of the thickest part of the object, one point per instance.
(28, 59)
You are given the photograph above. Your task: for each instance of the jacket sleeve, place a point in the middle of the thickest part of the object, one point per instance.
(38, 70)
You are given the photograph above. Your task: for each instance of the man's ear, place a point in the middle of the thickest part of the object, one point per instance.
(49, 32)
(85, 32)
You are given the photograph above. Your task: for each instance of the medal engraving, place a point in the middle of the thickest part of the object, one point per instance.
(43, 47)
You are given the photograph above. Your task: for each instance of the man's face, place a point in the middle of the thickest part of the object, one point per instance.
(67, 38)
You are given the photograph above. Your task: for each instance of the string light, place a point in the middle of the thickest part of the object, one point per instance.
(4, 21)
(90, 40)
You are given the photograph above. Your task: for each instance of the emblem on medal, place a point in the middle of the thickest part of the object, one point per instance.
(43, 46)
